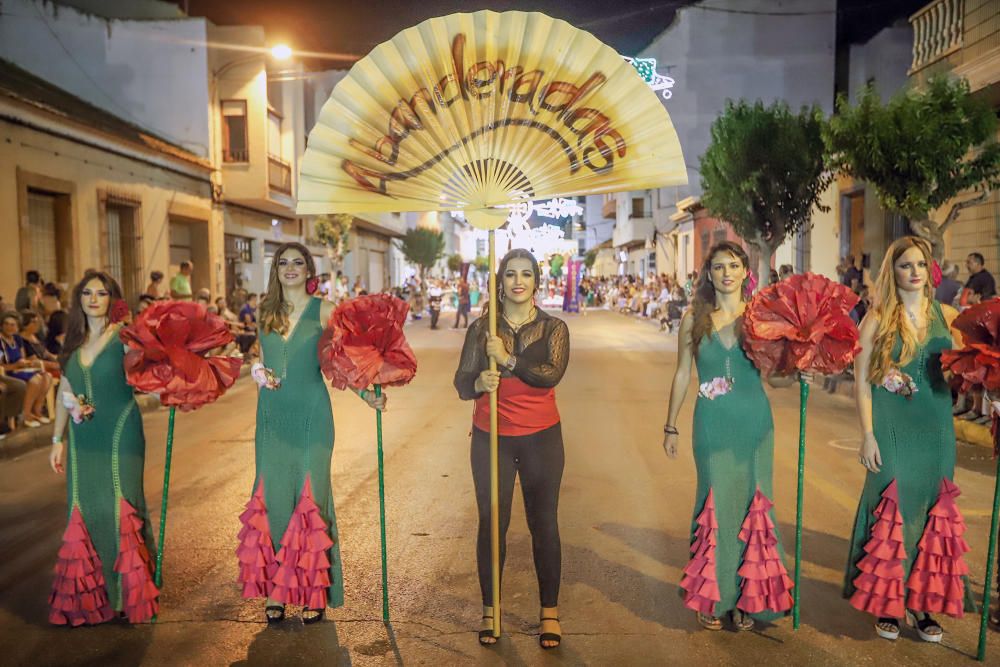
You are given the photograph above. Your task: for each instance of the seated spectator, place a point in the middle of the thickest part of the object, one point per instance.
(56, 333)
(28, 296)
(30, 326)
(248, 319)
(145, 301)
(11, 400)
(947, 292)
(16, 364)
(203, 297)
(51, 300)
(155, 287)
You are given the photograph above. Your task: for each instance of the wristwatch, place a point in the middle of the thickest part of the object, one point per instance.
(511, 362)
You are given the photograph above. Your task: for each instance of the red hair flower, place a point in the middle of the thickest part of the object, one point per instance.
(936, 275)
(801, 324)
(364, 344)
(168, 346)
(119, 311)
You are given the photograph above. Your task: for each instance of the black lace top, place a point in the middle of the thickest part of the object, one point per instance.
(541, 347)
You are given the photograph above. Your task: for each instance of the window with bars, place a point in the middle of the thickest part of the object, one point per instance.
(235, 139)
(121, 242)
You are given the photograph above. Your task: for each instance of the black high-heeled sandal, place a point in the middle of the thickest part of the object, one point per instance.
(549, 636)
(315, 616)
(274, 613)
(928, 629)
(887, 628)
(487, 634)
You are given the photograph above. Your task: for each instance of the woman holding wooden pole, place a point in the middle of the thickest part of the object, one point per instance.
(531, 351)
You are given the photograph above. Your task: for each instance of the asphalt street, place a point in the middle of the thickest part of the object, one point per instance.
(625, 514)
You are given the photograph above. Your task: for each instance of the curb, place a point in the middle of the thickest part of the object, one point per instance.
(25, 440)
(974, 434)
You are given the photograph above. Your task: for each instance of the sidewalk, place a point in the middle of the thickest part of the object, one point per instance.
(24, 439)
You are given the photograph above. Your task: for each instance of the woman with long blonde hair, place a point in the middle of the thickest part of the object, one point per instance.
(906, 547)
(289, 552)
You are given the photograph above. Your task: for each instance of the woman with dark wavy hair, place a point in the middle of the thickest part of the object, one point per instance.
(104, 564)
(289, 551)
(736, 565)
(531, 350)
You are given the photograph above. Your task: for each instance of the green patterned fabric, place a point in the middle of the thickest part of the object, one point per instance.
(734, 455)
(294, 438)
(916, 440)
(106, 456)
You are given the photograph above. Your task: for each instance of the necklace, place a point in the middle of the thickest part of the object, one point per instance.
(517, 325)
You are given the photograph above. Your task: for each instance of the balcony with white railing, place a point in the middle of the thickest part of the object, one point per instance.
(632, 231)
(937, 32)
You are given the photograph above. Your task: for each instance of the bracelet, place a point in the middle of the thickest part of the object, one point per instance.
(670, 430)
(57, 440)
(511, 362)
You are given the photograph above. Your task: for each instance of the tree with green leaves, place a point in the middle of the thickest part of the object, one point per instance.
(482, 264)
(919, 151)
(590, 258)
(423, 247)
(455, 263)
(764, 172)
(332, 231)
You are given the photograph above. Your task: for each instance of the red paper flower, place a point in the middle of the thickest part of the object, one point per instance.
(119, 311)
(168, 344)
(364, 344)
(801, 324)
(977, 364)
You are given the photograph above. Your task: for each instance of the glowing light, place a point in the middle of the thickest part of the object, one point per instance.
(281, 52)
(646, 67)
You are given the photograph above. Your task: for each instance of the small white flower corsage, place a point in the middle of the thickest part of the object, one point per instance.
(80, 408)
(898, 382)
(715, 387)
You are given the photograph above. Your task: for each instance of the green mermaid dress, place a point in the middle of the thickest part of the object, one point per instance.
(736, 560)
(104, 563)
(288, 547)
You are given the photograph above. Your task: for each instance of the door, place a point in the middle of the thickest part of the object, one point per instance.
(376, 271)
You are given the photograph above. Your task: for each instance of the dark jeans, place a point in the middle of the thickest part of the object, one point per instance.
(462, 313)
(538, 458)
(435, 314)
(246, 341)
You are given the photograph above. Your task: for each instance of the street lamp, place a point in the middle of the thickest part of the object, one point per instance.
(281, 52)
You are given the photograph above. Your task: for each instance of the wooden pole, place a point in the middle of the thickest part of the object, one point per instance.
(494, 448)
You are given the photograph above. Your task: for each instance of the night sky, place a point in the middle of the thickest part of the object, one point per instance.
(357, 26)
(353, 26)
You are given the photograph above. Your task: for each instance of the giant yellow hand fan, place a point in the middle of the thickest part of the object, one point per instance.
(470, 111)
(477, 112)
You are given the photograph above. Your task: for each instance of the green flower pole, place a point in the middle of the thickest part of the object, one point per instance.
(158, 576)
(803, 399)
(381, 508)
(988, 579)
